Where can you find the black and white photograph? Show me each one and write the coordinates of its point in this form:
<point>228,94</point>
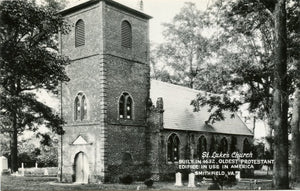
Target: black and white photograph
<point>149,95</point>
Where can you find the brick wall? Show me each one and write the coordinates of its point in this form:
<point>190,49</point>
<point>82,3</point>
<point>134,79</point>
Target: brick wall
<point>102,69</point>
<point>93,20</point>
<point>158,138</point>
<point>112,36</point>
<point>127,70</point>
<point>87,75</point>
<point>126,76</point>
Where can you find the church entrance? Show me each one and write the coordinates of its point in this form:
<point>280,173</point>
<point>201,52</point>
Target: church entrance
<point>81,168</point>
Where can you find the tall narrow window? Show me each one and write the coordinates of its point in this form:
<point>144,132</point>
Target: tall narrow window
<point>80,107</point>
<point>233,145</point>
<point>83,109</point>
<point>201,146</point>
<point>169,149</point>
<point>128,107</point>
<point>121,106</point>
<point>173,148</point>
<point>246,146</point>
<point>212,147</point>
<point>126,34</point>
<point>77,108</point>
<point>224,145</point>
<point>125,106</point>
<point>79,33</point>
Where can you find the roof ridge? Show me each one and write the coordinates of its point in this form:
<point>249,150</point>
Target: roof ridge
<point>185,88</point>
<point>180,86</point>
<point>84,3</point>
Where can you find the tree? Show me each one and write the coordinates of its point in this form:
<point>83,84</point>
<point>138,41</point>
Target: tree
<point>4,146</point>
<point>55,5</point>
<point>280,99</point>
<point>157,71</point>
<point>185,47</point>
<point>295,170</point>
<point>260,69</point>
<point>40,148</point>
<point>293,23</point>
<point>244,51</point>
<point>29,61</point>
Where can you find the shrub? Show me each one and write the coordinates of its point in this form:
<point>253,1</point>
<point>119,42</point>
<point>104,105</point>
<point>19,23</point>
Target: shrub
<point>126,179</point>
<point>214,186</point>
<point>148,182</point>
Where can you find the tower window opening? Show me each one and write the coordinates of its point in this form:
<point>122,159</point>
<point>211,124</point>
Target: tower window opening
<point>125,106</point>
<point>80,107</point>
<point>79,33</point>
<point>126,34</point>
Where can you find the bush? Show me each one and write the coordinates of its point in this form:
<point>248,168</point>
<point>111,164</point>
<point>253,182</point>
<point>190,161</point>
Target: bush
<point>148,182</point>
<point>214,186</point>
<point>127,179</point>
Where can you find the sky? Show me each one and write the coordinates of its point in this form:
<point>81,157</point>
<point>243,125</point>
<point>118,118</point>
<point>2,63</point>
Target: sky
<point>162,11</point>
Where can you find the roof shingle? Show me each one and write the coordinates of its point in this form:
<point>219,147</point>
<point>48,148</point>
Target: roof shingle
<point>179,114</point>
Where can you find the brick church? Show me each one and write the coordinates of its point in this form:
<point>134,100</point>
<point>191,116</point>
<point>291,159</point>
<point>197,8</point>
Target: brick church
<point>112,128</point>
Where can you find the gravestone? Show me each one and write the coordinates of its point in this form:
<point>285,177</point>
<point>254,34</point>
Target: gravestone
<point>23,170</point>
<point>3,163</point>
<point>46,172</point>
<point>191,180</point>
<point>178,181</point>
<point>238,175</point>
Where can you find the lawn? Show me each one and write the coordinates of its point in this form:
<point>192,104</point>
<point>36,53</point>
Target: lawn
<point>263,181</point>
<point>46,183</point>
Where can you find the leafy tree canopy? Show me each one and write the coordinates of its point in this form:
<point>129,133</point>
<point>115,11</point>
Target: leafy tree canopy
<point>29,61</point>
<point>185,47</point>
<point>244,49</point>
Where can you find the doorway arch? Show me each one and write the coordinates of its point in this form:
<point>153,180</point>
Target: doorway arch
<point>81,167</point>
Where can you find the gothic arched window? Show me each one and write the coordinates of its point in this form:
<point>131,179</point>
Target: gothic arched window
<point>213,145</point>
<point>233,144</point>
<point>125,106</point>
<point>224,145</point>
<point>80,107</point>
<point>201,146</point>
<point>246,146</point>
<point>126,34</point>
<point>173,148</point>
<point>79,33</point>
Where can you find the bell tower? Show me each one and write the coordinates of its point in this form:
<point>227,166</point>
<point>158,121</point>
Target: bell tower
<point>105,102</point>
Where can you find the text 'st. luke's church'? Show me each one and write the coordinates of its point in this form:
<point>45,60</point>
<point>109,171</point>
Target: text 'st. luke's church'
<point>112,128</point>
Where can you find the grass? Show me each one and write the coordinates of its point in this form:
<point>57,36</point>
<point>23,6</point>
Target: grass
<point>49,183</point>
<point>263,174</point>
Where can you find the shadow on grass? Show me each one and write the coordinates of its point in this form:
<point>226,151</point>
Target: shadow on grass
<point>50,183</point>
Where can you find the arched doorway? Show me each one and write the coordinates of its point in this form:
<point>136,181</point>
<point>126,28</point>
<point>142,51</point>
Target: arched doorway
<point>81,168</point>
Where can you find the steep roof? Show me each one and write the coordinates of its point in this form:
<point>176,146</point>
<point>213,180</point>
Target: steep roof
<point>179,114</point>
<point>76,5</point>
